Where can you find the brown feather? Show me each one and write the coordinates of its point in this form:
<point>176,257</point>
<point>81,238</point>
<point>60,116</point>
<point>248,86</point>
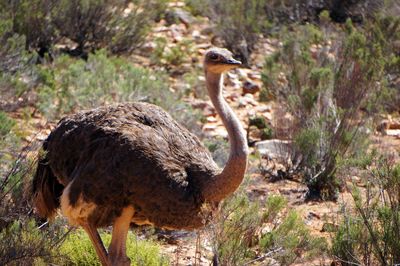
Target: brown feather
<point>132,154</point>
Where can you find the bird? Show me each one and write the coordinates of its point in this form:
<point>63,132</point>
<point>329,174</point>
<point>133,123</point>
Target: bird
<point>132,163</point>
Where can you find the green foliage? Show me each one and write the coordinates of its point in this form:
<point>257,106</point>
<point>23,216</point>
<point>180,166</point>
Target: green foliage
<point>9,145</point>
<point>289,235</point>
<point>22,243</point>
<point>239,234</point>
<point>6,124</point>
<point>234,231</point>
<point>385,30</point>
<point>324,87</point>
<point>79,250</point>
<point>238,23</point>
<point>260,123</point>
<point>370,235</point>
<point>197,7</point>
<point>120,26</point>
<point>15,64</point>
<point>168,55</point>
<point>76,84</point>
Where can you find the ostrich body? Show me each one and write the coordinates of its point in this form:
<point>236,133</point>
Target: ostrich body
<point>133,163</point>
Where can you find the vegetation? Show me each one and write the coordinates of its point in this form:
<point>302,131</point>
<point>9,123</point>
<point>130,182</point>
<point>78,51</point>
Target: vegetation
<point>369,235</point>
<point>71,84</point>
<point>324,89</point>
<point>79,251</point>
<point>330,70</point>
<point>90,24</point>
<point>245,232</point>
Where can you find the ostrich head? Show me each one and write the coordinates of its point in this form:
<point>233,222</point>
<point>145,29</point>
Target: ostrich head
<point>219,60</point>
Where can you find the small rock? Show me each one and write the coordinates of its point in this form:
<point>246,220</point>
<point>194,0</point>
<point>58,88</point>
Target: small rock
<point>312,215</point>
<point>267,116</point>
<point>394,125</point>
<point>179,15</point>
<point>200,104</point>
<point>248,96</point>
<point>196,34</point>
<point>233,81</point>
<point>242,74</point>
<point>242,102</point>
<point>149,47</point>
<point>209,127</point>
<point>254,76</point>
<point>250,87</point>
<point>274,148</point>
<point>233,96</point>
<point>231,75</point>
<point>389,127</point>
<point>264,108</point>
<point>211,119</point>
<point>393,132</point>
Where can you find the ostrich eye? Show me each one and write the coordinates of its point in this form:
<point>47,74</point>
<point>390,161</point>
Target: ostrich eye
<point>213,56</point>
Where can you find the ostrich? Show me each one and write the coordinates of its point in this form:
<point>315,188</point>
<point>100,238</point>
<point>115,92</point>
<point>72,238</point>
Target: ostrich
<point>132,163</point>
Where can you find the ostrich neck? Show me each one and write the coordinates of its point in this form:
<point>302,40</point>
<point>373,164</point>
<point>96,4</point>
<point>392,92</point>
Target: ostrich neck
<point>232,175</point>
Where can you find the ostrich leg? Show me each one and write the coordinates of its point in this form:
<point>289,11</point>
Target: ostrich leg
<point>117,249</point>
<point>97,243</point>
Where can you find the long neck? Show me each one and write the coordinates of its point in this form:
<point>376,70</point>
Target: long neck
<point>232,175</point>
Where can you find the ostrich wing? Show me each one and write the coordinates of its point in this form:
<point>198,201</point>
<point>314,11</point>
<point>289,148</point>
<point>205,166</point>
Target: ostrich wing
<point>132,154</point>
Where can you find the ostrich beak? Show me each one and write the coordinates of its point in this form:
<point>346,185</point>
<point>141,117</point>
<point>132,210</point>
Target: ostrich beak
<point>233,62</point>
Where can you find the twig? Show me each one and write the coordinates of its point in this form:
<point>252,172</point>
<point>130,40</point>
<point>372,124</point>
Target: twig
<point>264,256</point>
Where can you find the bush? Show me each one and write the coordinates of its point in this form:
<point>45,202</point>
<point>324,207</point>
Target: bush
<point>168,55</point>
<point>9,145</point>
<point>324,87</point>
<point>370,234</point>
<point>385,30</point>
<point>243,232</point>
<point>79,250</point>
<point>118,25</point>
<point>238,22</point>
<point>72,84</point>
<point>289,238</point>
<point>23,243</point>
<point>16,66</point>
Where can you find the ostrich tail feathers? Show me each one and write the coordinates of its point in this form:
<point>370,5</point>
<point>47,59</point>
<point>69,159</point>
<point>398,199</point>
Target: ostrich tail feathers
<point>46,190</point>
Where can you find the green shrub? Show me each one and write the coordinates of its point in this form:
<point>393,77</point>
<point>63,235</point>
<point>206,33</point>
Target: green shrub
<point>16,66</point>
<point>10,145</point>
<point>234,231</point>
<point>238,23</point>
<point>288,236</point>
<point>22,243</point>
<point>76,84</point>
<point>120,26</point>
<point>168,55</point>
<point>244,232</point>
<point>79,250</point>
<point>6,124</point>
<point>370,234</point>
<point>261,124</point>
<point>324,87</point>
